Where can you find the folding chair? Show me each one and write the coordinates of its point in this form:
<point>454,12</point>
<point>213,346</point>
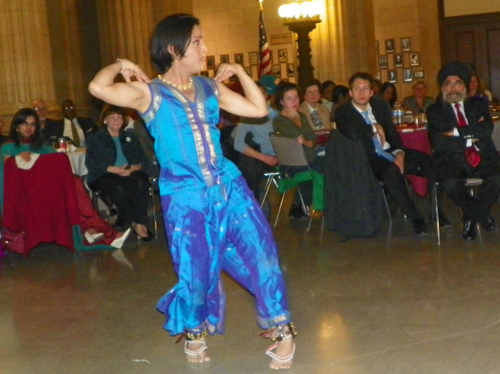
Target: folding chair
<point>470,183</point>
<point>290,153</point>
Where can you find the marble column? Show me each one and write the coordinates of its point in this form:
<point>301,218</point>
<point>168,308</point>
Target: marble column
<point>125,27</point>
<point>25,58</point>
<point>343,43</point>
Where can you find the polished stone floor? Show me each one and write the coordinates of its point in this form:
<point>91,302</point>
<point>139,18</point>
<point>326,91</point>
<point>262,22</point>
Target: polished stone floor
<point>393,304</point>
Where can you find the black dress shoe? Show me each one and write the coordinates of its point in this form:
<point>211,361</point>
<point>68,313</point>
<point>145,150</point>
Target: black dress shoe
<point>420,228</point>
<point>488,223</point>
<point>469,230</point>
<point>444,222</point>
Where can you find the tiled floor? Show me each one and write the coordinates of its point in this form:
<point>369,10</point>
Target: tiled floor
<point>392,304</point>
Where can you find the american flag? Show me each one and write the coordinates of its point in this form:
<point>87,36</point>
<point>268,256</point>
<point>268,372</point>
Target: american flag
<point>265,56</point>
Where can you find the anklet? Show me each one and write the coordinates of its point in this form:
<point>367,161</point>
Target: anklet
<point>278,333</point>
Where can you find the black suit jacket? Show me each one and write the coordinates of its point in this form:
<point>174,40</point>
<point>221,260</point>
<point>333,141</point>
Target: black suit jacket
<point>101,152</point>
<point>54,129</point>
<point>442,119</point>
<point>351,123</point>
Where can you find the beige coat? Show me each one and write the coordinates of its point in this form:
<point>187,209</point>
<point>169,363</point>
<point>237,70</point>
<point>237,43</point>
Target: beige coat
<point>324,114</point>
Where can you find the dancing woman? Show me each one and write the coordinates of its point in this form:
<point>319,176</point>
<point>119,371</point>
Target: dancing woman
<point>211,219</point>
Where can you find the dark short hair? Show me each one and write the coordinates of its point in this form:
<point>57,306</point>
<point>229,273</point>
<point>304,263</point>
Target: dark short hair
<point>312,82</point>
<point>325,85</point>
<point>173,31</point>
<point>110,109</point>
<point>360,75</point>
<point>282,89</point>
<point>338,91</point>
<point>19,118</point>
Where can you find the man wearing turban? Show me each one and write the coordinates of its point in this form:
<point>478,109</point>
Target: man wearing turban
<point>460,130</point>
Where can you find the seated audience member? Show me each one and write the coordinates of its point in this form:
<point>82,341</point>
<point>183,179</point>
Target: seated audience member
<point>3,138</point>
<point>78,129</point>
<point>26,140</point>
<point>418,102</point>
<point>327,88</point>
<point>117,165</point>
<point>136,124</point>
<point>317,115</point>
<point>270,83</point>
<point>460,130</point>
<point>293,124</point>
<point>477,89</point>
<point>41,108</point>
<point>389,93</point>
<point>340,97</point>
<point>369,121</point>
<point>251,139</point>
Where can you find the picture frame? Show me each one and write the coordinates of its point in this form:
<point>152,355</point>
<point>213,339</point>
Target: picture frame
<point>253,58</point>
<point>398,60</point>
<point>377,47</point>
<point>282,55</point>
<point>405,44</point>
<point>210,62</point>
<point>290,70</point>
<point>224,59</point>
<point>415,59</point>
<point>418,74</point>
<point>276,70</point>
<point>382,62</point>
<point>239,58</point>
<point>389,46</point>
<point>407,75</point>
<point>377,75</point>
<point>392,76</point>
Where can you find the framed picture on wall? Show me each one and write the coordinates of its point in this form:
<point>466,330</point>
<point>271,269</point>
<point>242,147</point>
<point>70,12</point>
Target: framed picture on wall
<point>290,70</point>
<point>419,74</point>
<point>253,57</point>
<point>389,46</point>
<point>276,70</point>
<point>407,75</point>
<point>282,55</point>
<point>377,75</point>
<point>248,70</point>
<point>398,60</point>
<point>224,59</point>
<point>392,76</point>
<point>239,59</point>
<point>405,44</point>
<point>210,62</point>
<point>415,59</point>
<point>382,62</point>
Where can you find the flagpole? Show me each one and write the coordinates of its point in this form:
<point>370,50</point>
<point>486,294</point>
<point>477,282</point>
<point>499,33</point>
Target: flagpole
<point>265,56</point>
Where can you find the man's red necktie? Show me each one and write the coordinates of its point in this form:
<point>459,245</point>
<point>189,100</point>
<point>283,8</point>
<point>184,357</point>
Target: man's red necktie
<point>471,153</point>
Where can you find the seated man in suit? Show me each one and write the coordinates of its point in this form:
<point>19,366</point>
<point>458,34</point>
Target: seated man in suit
<point>460,130</point>
<point>317,114</point>
<point>78,129</point>
<point>370,122</point>
<point>40,107</point>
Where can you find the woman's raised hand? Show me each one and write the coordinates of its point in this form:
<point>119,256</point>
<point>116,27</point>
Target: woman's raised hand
<point>226,71</point>
<point>26,156</point>
<point>130,69</point>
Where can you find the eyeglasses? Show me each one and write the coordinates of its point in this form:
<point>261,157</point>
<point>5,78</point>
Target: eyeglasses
<point>458,84</point>
<point>362,88</point>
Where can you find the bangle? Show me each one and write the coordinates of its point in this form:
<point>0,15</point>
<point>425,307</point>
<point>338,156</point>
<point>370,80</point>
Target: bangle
<point>120,60</point>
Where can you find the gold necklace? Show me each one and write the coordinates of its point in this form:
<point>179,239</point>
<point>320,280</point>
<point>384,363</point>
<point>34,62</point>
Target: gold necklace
<point>180,87</point>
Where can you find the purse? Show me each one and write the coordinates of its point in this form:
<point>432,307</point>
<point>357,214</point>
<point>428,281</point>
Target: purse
<point>13,241</point>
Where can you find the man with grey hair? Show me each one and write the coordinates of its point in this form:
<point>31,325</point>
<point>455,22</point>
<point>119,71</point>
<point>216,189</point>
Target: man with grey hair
<point>460,130</point>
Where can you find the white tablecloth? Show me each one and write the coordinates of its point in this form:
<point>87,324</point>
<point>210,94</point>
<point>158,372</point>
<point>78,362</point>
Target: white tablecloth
<point>77,160</point>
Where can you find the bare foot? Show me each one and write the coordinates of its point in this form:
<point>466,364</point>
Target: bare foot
<point>195,351</point>
<point>282,354</point>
